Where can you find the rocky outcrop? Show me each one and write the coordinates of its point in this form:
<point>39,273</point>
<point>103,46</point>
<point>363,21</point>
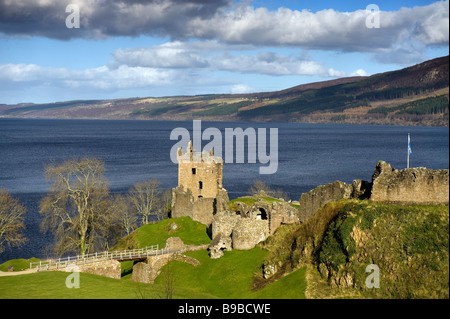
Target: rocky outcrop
<point>413,185</point>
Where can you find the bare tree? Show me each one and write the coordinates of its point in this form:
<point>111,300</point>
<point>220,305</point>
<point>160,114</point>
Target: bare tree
<point>126,215</point>
<point>165,205</point>
<point>11,221</point>
<point>260,188</point>
<point>145,199</point>
<point>74,208</point>
<point>168,282</point>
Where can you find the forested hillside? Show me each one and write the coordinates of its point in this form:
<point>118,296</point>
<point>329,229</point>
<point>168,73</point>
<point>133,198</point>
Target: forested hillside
<point>417,95</point>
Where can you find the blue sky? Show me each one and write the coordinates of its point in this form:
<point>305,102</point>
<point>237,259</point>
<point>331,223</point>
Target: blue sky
<point>142,48</point>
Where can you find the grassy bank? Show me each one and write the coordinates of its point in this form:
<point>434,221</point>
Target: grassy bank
<point>228,277</point>
<point>409,244</point>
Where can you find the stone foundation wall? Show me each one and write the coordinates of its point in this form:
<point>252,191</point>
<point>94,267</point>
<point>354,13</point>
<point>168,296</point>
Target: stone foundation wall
<point>203,210</point>
<point>107,268</point>
<point>248,232</point>
<point>418,185</point>
<point>281,213</point>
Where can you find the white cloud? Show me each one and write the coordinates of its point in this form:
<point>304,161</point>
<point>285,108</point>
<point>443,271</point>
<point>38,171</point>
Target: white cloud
<point>241,89</point>
<point>102,77</point>
<point>230,22</point>
<point>359,72</point>
<point>214,56</point>
<point>168,55</point>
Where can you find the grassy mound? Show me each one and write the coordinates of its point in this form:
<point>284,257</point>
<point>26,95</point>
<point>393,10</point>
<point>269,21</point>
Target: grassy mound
<point>190,232</point>
<point>408,243</point>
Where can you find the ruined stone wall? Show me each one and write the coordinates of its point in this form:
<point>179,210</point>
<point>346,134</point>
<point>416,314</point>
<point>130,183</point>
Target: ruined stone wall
<point>281,213</point>
<point>251,225</point>
<point>201,210</point>
<point>248,232</point>
<point>224,224</point>
<point>182,203</point>
<point>148,270</point>
<point>414,185</point>
<point>311,201</point>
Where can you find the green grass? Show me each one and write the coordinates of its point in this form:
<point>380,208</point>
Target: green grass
<point>190,232</point>
<point>18,264</point>
<point>231,276</point>
<point>52,285</point>
<point>292,286</point>
<point>245,200</point>
<point>250,200</point>
<point>228,277</point>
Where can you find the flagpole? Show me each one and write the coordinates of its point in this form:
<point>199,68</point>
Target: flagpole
<point>409,148</point>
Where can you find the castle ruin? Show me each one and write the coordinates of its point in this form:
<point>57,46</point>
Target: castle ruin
<point>200,195</point>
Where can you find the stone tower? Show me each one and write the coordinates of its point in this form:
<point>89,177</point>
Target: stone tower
<point>200,172</point>
<point>199,193</point>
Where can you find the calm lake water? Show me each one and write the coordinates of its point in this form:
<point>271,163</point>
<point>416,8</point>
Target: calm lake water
<point>308,155</point>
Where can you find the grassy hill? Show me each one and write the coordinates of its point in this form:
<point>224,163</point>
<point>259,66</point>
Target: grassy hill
<point>190,232</point>
<point>409,244</point>
<point>228,277</point>
<point>417,95</point>
<point>325,257</point>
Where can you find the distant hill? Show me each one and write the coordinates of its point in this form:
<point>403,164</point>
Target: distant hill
<point>416,95</point>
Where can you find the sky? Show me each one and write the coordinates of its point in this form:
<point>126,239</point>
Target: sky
<point>60,50</point>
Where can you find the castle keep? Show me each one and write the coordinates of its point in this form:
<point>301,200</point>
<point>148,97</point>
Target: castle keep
<point>200,172</point>
<point>199,193</point>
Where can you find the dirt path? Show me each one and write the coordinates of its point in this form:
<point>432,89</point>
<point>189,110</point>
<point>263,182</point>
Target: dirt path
<point>16,273</point>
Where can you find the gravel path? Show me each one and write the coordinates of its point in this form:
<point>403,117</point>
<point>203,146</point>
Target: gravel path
<point>16,273</point>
